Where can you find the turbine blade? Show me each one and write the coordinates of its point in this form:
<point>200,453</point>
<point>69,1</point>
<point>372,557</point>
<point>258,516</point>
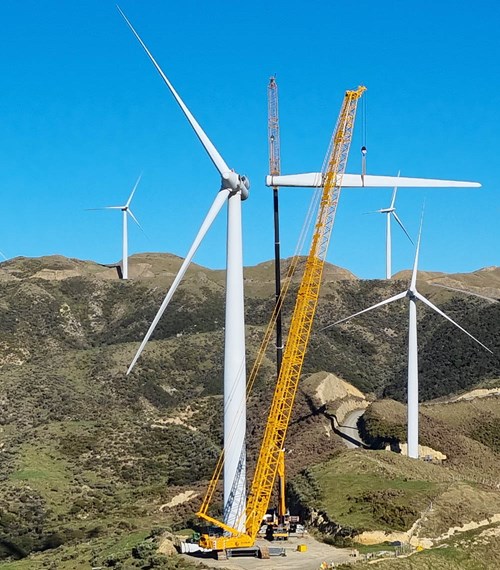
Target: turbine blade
<point>213,153</point>
<point>315,179</point>
<point>133,191</point>
<point>415,263</point>
<point>394,193</point>
<point>387,301</point>
<point>106,208</point>
<point>401,226</point>
<point>217,204</point>
<point>440,312</point>
<point>3,255</point>
<point>135,219</point>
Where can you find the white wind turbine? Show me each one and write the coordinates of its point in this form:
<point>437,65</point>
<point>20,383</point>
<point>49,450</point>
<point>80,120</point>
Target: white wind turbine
<point>391,212</point>
<point>126,211</point>
<point>412,294</point>
<point>234,189</point>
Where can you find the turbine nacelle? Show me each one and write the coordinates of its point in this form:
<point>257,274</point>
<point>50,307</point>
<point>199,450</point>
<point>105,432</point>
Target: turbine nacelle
<point>235,183</point>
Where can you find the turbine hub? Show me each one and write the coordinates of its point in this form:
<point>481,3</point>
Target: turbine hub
<point>236,183</point>
<point>411,294</point>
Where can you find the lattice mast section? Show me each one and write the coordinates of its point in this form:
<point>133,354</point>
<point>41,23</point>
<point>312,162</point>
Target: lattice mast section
<point>273,128</point>
<point>273,135</point>
<point>302,319</point>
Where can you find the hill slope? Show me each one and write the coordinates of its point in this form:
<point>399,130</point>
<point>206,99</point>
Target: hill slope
<point>88,452</point>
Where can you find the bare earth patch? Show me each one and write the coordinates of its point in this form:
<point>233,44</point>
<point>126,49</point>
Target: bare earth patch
<point>179,499</point>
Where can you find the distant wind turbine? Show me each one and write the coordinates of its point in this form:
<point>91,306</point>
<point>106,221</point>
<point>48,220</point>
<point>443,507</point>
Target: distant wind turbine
<point>125,210</point>
<point>391,211</point>
<point>234,189</point>
<point>412,294</point>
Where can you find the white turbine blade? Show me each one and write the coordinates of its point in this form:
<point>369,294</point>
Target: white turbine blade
<point>440,312</point>
<point>219,201</point>
<point>315,180</point>
<point>393,197</point>
<point>133,191</point>
<point>394,193</point>
<point>213,153</point>
<point>135,219</point>
<point>307,180</point>
<point>3,255</point>
<point>415,263</point>
<point>105,208</point>
<point>390,300</point>
<point>401,225</point>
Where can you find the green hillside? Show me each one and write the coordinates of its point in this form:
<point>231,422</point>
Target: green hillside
<point>89,455</point>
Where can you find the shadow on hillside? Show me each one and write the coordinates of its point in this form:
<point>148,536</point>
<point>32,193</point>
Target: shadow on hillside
<point>334,423</point>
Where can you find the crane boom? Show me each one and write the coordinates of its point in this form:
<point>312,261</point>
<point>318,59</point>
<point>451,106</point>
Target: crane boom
<point>298,338</point>
<point>273,129</point>
<point>273,133</point>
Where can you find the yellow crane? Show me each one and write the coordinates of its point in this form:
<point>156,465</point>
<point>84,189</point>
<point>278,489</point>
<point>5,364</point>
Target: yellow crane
<point>271,451</point>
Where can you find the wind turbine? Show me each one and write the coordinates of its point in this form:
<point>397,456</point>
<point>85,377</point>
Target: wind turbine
<point>125,211</point>
<point>412,295</point>
<point>234,189</point>
<point>391,211</point>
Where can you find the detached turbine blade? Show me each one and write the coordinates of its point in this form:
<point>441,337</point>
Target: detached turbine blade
<point>315,180</point>
<point>387,301</point>
<point>133,191</point>
<point>401,226</point>
<point>433,307</point>
<point>217,204</point>
<point>213,153</point>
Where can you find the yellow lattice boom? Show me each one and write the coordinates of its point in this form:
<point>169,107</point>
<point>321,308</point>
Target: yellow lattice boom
<point>298,338</point>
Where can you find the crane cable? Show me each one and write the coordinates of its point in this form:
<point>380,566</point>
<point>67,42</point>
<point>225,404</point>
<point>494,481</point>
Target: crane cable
<point>364,150</point>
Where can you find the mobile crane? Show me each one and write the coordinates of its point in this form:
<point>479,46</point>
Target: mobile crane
<point>271,450</point>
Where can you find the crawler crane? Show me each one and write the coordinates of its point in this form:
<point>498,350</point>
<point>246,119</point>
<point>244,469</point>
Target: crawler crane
<point>300,329</point>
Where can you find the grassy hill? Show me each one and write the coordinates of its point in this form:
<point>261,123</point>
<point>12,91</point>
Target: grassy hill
<point>90,455</point>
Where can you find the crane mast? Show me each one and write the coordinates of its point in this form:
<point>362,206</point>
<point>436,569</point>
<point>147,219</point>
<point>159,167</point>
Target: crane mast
<point>273,132</point>
<point>300,329</point>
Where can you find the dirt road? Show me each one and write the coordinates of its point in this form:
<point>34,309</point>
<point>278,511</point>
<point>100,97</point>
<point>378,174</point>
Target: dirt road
<point>317,553</point>
<point>349,430</point>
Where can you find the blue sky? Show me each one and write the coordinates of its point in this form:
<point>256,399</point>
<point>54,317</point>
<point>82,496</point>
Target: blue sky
<point>83,113</point>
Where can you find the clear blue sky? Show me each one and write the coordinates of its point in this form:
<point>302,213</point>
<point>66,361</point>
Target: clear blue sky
<point>83,113</point>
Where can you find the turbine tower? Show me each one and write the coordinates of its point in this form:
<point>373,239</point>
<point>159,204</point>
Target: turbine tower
<point>412,294</point>
<point>126,211</point>
<point>234,189</point>
<point>391,211</point>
